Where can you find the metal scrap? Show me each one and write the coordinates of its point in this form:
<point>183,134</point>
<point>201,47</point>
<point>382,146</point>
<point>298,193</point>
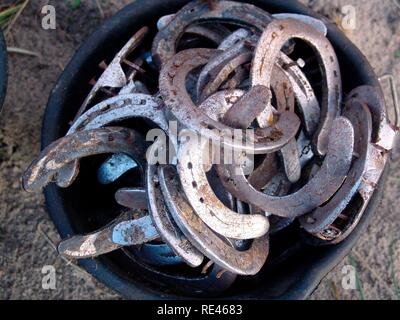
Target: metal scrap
<point>258,145</point>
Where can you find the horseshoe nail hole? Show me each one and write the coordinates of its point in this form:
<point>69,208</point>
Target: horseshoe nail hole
<point>194,184</point>
<point>190,165</point>
<point>201,200</point>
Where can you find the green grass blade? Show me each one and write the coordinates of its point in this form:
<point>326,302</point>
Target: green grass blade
<point>360,288</point>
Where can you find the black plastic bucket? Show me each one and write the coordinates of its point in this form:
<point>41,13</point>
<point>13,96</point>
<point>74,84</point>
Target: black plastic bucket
<point>75,210</point>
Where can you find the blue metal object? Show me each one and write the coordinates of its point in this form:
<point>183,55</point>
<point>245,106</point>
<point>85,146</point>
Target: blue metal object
<point>114,167</point>
<point>124,231</point>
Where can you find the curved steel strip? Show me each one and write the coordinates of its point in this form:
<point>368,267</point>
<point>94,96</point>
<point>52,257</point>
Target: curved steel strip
<point>179,105</point>
<point>383,134</point>
<point>317,191</point>
<point>152,253</point>
<point>78,145</point>
<point>243,112</point>
<point>276,34</point>
<point>121,232</point>
<point>304,93</point>
<point>133,198</point>
<point>114,167</point>
<point>224,64</point>
<point>114,76</point>
<point>109,111</point>
<point>247,262</point>
<point>205,203</point>
<point>235,105</point>
<point>223,74</point>
<point>317,24</point>
<point>321,218</point>
<point>234,38</point>
<point>209,32</point>
<point>219,60</point>
<point>243,14</point>
<point>376,162</point>
<point>168,230</point>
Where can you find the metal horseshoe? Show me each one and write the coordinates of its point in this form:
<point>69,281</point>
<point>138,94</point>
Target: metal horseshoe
<point>234,38</point>
<point>316,192</point>
<point>242,14</point>
<point>78,145</point>
<point>153,253</point>
<point>169,231</point>
<point>123,231</point>
<point>247,262</point>
<point>114,109</point>
<point>203,200</point>
<point>180,106</point>
<point>276,34</point>
<point>383,132</point>
<point>114,76</point>
<point>321,218</point>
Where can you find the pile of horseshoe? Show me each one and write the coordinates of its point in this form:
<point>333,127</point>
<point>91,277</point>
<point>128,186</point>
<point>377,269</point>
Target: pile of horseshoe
<point>312,163</point>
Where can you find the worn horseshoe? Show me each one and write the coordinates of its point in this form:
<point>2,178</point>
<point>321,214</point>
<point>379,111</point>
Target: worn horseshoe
<point>219,107</point>
<point>165,225</point>
<point>247,262</point>
<point>315,23</point>
<point>180,106</point>
<point>281,84</point>
<point>242,14</point>
<point>304,93</point>
<point>203,200</point>
<point>78,145</point>
<point>114,76</point>
<point>321,218</point>
<point>121,232</point>
<point>108,111</point>
<point>316,192</point>
<point>152,253</point>
<point>133,198</point>
<point>276,34</point>
<point>383,134</point>
<point>221,59</point>
<point>214,34</point>
<point>234,38</point>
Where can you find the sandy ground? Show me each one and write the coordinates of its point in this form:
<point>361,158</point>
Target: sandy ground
<point>24,248</point>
